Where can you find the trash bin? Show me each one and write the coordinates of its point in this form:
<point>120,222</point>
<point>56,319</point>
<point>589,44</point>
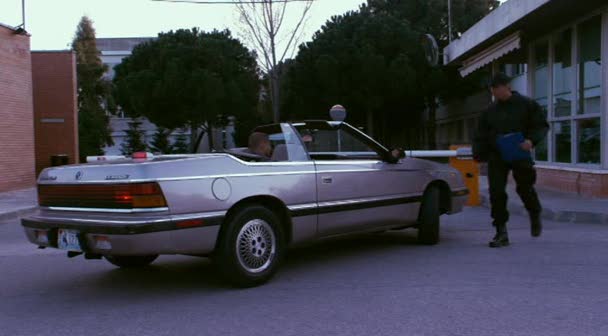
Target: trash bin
<point>59,160</point>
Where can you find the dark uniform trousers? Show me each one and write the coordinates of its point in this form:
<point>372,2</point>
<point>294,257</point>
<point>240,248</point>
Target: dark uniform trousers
<point>524,175</point>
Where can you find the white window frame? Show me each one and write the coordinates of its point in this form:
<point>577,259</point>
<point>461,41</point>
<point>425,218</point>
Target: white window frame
<point>604,101</point>
<point>532,89</point>
<point>573,117</point>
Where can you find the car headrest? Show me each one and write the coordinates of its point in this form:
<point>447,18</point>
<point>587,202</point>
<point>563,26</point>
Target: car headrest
<point>280,153</point>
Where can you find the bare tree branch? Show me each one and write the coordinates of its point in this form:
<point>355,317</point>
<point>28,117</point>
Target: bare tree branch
<point>264,23</point>
<point>295,31</point>
<point>281,17</point>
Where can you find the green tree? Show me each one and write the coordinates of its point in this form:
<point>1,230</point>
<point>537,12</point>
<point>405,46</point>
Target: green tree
<point>181,145</point>
<point>160,141</point>
<point>355,61</point>
<point>135,141</point>
<point>431,16</point>
<point>186,78</point>
<point>372,62</point>
<point>94,93</point>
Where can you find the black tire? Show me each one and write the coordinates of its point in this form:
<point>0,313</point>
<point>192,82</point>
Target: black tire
<point>428,228</point>
<point>130,261</point>
<point>239,268</point>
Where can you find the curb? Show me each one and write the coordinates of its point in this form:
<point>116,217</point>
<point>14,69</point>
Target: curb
<point>17,213</point>
<point>563,216</point>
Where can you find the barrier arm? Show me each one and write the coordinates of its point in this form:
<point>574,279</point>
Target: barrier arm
<point>461,158</point>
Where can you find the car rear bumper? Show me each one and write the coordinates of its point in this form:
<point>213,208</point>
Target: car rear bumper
<point>192,234</point>
<point>459,200</point>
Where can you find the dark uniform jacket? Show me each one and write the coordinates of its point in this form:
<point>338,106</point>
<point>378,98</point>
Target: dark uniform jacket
<point>518,114</point>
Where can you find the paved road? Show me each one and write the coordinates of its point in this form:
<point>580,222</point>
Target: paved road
<point>365,285</point>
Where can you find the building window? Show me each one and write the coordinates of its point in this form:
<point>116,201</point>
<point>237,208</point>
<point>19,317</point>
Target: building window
<point>562,136</point>
<point>590,66</point>
<point>590,90</point>
<point>589,144</point>
<point>541,90</point>
<point>513,70</point>
<point>562,74</point>
<point>575,94</point>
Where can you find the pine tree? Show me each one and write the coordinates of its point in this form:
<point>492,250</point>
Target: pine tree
<point>94,92</point>
<point>194,75</point>
<point>135,141</point>
<point>160,142</point>
<point>181,145</point>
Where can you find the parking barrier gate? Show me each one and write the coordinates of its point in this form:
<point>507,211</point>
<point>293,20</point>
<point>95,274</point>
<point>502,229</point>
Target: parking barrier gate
<point>461,158</point>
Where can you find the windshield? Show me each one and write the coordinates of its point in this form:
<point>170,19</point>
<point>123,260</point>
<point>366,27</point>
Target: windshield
<point>326,141</point>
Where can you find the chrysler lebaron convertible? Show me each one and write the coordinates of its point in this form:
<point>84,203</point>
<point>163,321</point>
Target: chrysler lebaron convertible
<point>323,179</point>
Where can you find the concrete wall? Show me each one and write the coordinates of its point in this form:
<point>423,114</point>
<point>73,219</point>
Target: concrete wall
<point>55,106</point>
<point>16,112</point>
<point>491,25</point>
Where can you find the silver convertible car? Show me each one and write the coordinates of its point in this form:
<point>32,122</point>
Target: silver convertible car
<point>324,179</point>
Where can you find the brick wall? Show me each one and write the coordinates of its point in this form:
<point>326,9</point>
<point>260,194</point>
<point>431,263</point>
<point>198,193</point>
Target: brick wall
<point>586,184</point>
<point>55,106</point>
<point>16,112</point>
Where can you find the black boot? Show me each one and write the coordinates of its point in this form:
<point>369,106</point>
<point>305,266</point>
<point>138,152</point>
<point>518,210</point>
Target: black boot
<point>536,225</point>
<point>501,238</point>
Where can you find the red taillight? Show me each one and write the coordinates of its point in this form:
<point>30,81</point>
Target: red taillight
<point>110,196</point>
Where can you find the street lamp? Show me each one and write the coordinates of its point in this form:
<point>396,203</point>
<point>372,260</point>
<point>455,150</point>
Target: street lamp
<point>337,113</point>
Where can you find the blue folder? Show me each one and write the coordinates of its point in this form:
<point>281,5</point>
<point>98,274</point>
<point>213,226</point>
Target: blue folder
<point>509,146</point>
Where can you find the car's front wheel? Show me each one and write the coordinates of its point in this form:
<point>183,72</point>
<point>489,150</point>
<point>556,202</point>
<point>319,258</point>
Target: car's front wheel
<point>251,247</point>
<point>130,261</point>
<point>428,226</point>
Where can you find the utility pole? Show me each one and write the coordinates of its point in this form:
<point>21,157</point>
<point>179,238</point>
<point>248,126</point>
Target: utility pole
<point>450,21</point>
<point>23,13</point>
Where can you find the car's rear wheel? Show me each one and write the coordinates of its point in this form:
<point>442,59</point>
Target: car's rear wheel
<point>130,261</point>
<point>251,247</point>
<point>428,226</point>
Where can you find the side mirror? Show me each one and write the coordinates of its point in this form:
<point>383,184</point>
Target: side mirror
<point>395,155</point>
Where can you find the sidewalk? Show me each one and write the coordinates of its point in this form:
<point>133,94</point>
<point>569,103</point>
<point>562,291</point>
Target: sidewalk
<point>557,206</point>
<point>14,204</point>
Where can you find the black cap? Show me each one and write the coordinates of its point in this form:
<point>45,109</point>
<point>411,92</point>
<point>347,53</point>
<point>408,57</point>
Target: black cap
<point>500,79</point>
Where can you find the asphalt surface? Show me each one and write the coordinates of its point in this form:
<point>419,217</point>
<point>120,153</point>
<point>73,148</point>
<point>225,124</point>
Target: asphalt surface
<point>376,284</point>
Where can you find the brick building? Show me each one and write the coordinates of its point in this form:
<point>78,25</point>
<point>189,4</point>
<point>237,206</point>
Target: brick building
<point>555,50</point>
<point>16,111</point>
<point>55,106</point>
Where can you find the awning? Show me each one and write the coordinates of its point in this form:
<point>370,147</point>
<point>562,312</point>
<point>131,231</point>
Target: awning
<point>494,52</point>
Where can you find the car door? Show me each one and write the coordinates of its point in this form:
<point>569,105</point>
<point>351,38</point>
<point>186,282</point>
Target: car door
<point>356,189</point>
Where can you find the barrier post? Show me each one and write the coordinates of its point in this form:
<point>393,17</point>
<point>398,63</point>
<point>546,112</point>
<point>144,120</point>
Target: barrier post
<point>470,174</point>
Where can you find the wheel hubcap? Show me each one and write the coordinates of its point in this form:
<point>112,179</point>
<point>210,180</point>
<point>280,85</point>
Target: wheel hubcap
<point>256,246</point>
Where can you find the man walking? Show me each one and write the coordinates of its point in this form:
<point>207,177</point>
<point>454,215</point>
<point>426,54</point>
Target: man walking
<point>508,130</point>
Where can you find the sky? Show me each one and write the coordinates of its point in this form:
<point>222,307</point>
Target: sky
<point>52,23</point>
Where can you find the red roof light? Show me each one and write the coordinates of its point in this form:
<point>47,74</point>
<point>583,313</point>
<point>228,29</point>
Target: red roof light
<point>140,155</point>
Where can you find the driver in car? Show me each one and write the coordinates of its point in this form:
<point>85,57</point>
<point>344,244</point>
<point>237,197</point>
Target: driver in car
<point>259,144</point>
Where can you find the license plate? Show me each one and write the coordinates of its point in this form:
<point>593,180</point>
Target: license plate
<point>68,240</point>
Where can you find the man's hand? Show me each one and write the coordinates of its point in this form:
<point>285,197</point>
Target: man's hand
<point>527,145</point>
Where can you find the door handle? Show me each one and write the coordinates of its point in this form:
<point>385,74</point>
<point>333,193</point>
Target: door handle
<point>327,179</point>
